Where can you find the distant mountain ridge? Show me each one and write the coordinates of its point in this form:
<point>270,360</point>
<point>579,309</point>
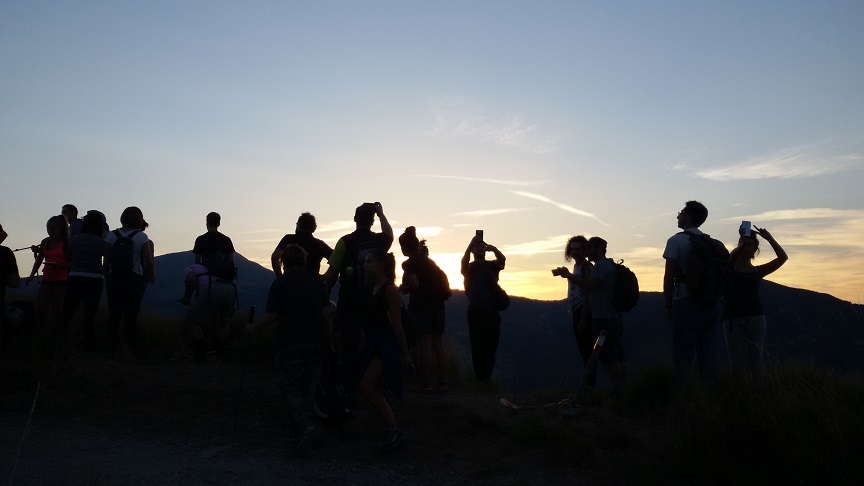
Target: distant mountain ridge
<point>537,347</point>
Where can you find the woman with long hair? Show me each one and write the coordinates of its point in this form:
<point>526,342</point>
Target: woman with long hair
<point>577,303</point>
<point>427,288</point>
<point>386,346</point>
<point>53,252</point>
<point>745,326</point>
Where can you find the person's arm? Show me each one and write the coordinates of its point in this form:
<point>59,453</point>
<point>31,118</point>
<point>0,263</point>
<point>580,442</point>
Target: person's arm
<point>776,263</point>
<point>276,262</point>
<point>40,257</point>
<point>672,269</point>
<point>335,261</point>
<point>148,251</point>
<point>499,257</point>
<point>385,225</point>
<point>394,310</point>
<point>466,258</point>
<point>586,283</point>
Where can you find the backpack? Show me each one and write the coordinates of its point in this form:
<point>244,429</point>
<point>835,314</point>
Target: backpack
<point>434,284</point>
<point>219,265</point>
<point>626,292</point>
<point>123,253</point>
<point>353,274</point>
<point>707,264</point>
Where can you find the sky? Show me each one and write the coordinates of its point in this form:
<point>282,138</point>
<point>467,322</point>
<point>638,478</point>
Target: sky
<point>534,121</point>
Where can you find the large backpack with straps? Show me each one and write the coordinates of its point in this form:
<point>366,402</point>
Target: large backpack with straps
<point>626,292</point>
<point>434,284</point>
<point>123,253</point>
<point>219,265</point>
<point>707,263</point>
<point>356,250</point>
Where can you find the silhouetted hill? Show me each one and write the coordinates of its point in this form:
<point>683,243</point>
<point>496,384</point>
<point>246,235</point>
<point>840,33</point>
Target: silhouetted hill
<point>537,347</point>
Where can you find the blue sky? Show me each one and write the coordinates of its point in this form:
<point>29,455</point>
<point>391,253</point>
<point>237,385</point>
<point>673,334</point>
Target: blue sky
<point>534,121</point>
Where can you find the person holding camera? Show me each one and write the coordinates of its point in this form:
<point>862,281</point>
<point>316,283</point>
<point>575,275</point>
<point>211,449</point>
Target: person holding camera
<point>481,287</point>
<point>744,319</point>
<point>576,300</point>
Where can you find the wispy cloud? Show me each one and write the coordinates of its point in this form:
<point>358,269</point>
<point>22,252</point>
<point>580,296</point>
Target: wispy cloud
<point>551,244</point>
<point>489,212</point>
<point>798,214</point>
<point>484,180</point>
<point>342,225</point>
<point>562,206</point>
<point>794,163</point>
<point>462,118</point>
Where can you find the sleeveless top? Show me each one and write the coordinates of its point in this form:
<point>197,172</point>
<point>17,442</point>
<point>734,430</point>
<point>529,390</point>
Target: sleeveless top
<point>743,297</point>
<point>53,273</point>
<point>376,313</point>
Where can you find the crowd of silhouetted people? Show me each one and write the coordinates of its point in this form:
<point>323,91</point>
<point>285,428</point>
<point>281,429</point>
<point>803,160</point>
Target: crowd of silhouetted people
<point>361,345</point>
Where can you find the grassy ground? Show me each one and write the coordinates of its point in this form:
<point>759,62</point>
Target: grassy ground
<point>804,426</point>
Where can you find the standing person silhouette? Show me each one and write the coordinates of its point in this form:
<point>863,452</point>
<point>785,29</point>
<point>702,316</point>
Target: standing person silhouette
<point>484,322</point>
<point>212,275</point>
<point>316,249</point>
<point>347,264</point>
<point>427,288</point>
<point>745,326</point>
<point>53,251</point>
<point>604,317</point>
<point>131,265</point>
<point>577,302</point>
<point>299,305</point>
<point>9,277</point>
<point>695,322</point>
<point>386,346</point>
<point>88,267</point>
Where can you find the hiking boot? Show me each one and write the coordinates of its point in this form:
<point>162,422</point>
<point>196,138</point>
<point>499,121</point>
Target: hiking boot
<point>393,440</point>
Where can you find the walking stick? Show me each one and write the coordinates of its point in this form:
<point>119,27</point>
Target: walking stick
<point>592,362</point>
<point>242,373</point>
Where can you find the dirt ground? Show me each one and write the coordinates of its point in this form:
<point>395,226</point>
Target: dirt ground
<point>100,422</point>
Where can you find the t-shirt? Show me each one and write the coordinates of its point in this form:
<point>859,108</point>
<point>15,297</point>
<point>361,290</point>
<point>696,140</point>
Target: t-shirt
<point>138,241</point>
<point>480,281</point>
<point>76,227</point>
<point>8,266</point>
<point>575,293</point>
<point>298,297</point>
<point>600,297</point>
<point>85,256</point>
<point>213,242</point>
<point>677,247</point>
<point>316,250</point>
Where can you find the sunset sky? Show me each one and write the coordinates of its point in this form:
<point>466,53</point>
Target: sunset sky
<point>533,121</point>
